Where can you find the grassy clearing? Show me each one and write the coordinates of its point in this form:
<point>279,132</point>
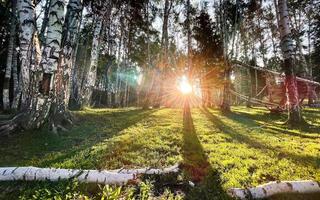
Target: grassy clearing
<point>244,148</point>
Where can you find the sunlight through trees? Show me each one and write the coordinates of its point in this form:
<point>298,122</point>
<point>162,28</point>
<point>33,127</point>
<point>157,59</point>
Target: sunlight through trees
<point>210,87</point>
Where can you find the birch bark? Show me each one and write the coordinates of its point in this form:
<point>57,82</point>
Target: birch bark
<point>273,188</point>
<point>295,116</point>
<point>69,42</point>
<point>45,21</point>
<point>117,177</point>
<point>51,50</point>
<point>92,73</point>
<point>26,13</point>
<point>39,108</point>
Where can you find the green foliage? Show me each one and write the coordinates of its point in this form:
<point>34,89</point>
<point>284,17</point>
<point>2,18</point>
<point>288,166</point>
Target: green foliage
<point>58,191</point>
<point>110,193</point>
<point>209,53</point>
<point>70,190</point>
<point>208,39</point>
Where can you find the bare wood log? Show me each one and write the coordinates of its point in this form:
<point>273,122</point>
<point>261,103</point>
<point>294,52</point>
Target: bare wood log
<point>273,188</point>
<point>114,177</point>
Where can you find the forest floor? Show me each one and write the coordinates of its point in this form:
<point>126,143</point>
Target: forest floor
<point>218,151</point>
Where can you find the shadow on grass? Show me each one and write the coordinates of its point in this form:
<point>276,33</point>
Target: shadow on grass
<point>246,117</point>
<point>279,130</point>
<point>196,165</point>
<point>312,110</point>
<point>241,138</point>
<point>249,120</point>
<point>49,149</point>
<point>266,116</point>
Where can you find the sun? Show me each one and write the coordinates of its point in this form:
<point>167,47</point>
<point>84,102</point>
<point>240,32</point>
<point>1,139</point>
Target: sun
<point>184,86</point>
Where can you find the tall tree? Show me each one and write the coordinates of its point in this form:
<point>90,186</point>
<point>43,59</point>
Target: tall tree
<point>295,116</point>
<point>45,21</point>
<point>71,29</point>
<point>92,72</point>
<point>188,24</point>
<point>59,114</point>
<point>164,53</point>
<point>36,110</point>
<point>51,50</point>
<point>207,54</point>
<point>26,14</point>
<point>225,105</point>
<point>11,49</point>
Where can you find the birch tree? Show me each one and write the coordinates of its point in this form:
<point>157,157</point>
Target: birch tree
<point>92,72</point>
<point>50,53</point>
<point>102,12</point>
<point>37,111</point>
<point>69,42</point>
<point>26,13</point>
<point>295,116</point>
<point>45,21</point>
<point>59,113</point>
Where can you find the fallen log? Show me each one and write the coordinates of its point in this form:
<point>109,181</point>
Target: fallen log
<point>273,188</point>
<point>112,177</point>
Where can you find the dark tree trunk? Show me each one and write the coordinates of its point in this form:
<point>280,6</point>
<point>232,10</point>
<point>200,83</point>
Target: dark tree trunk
<point>7,77</point>
<point>225,106</point>
<point>164,54</point>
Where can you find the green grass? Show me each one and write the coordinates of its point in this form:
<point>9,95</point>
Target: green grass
<point>245,148</point>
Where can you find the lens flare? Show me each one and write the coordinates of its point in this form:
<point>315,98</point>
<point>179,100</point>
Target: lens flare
<point>184,86</point>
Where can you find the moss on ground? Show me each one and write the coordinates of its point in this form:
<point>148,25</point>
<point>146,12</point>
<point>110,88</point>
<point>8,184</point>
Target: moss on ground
<point>245,148</point>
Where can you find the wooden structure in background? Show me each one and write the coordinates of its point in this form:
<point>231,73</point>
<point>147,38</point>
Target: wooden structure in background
<point>267,88</point>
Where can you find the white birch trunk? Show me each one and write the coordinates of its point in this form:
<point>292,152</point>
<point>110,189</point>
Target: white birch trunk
<point>115,177</point>
<point>295,116</point>
<point>69,42</point>
<point>45,21</point>
<point>273,188</point>
<point>92,73</point>
<point>41,103</point>
<point>26,19</point>
<point>51,50</point>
